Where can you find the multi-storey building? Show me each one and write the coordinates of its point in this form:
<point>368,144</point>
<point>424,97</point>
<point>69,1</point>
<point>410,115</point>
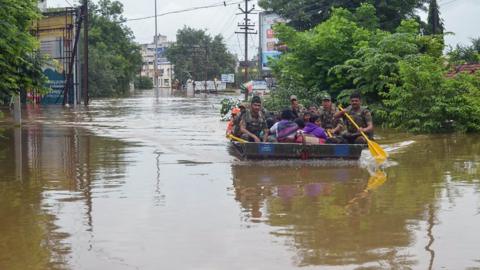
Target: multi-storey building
<point>164,67</point>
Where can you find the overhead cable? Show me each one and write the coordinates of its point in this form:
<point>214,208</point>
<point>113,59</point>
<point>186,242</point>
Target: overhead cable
<point>223,3</point>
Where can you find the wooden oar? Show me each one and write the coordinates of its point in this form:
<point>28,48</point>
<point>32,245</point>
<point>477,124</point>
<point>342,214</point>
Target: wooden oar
<point>377,151</point>
<point>230,136</point>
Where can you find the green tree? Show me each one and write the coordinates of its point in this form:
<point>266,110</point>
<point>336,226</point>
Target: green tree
<point>305,70</point>
<point>469,54</point>
<point>425,100</point>
<point>114,58</point>
<point>143,82</point>
<point>20,62</point>
<point>434,21</point>
<point>196,55</point>
<point>307,14</point>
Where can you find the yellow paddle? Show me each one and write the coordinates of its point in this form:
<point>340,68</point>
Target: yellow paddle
<point>230,136</point>
<point>377,151</point>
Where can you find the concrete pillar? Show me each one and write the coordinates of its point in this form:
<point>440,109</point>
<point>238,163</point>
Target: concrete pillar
<point>17,110</point>
<point>18,153</point>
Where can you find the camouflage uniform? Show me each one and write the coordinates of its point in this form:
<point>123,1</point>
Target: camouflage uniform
<point>327,119</point>
<point>362,117</point>
<point>254,124</point>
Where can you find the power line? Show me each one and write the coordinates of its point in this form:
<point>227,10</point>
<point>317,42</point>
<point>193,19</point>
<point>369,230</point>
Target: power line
<point>447,3</point>
<point>224,3</point>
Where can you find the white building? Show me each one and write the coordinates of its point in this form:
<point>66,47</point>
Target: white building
<point>42,5</point>
<point>165,68</point>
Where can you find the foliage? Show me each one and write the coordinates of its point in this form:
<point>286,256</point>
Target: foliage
<point>426,101</point>
<point>394,72</point>
<point>114,58</point>
<point>197,55</point>
<point>20,64</point>
<point>143,82</point>
<point>227,104</point>
<point>305,69</point>
<point>375,63</point>
<point>434,21</point>
<point>466,54</point>
<point>307,14</point>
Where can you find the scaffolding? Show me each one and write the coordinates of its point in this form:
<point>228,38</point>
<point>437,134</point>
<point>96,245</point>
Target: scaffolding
<point>58,32</point>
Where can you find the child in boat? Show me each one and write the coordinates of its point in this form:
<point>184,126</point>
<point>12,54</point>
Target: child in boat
<point>313,129</point>
<point>306,117</point>
<point>284,130</point>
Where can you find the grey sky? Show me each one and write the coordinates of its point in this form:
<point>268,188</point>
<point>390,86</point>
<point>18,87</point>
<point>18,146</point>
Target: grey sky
<point>460,16</point>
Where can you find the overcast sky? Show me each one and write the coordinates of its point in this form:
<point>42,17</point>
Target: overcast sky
<point>460,16</point>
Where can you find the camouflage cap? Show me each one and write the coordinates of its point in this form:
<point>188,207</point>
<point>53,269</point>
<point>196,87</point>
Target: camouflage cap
<point>326,96</point>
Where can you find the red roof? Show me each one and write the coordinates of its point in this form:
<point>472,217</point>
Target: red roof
<point>470,68</point>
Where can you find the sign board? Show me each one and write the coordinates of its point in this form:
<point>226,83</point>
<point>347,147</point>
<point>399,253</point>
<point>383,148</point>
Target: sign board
<point>267,38</point>
<point>228,78</point>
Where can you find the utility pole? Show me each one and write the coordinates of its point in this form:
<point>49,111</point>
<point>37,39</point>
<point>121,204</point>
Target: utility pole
<point>206,66</point>
<point>155,67</point>
<point>247,28</point>
<point>85,53</point>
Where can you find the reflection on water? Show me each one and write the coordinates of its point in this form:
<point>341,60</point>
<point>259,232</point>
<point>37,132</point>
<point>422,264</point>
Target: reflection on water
<point>145,184</point>
<point>44,168</point>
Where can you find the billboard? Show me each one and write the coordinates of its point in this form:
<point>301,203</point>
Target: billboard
<point>55,34</point>
<point>268,39</point>
<point>228,78</point>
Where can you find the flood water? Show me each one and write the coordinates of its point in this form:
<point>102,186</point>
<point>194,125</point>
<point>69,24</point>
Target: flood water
<point>144,184</point>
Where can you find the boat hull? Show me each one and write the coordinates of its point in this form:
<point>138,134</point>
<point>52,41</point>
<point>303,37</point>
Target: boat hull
<point>298,151</point>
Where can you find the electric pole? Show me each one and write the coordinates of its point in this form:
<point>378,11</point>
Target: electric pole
<point>155,68</point>
<point>85,53</point>
<point>247,28</point>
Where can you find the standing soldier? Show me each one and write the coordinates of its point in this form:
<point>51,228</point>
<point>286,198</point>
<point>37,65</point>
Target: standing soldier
<point>361,116</point>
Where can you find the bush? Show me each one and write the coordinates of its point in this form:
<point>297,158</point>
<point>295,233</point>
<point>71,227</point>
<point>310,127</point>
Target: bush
<point>426,101</point>
<point>143,82</point>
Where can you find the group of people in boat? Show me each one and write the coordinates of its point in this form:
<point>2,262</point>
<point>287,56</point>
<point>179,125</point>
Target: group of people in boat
<point>296,124</point>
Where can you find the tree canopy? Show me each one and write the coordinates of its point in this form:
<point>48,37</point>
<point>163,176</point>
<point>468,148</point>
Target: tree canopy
<point>306,14</point>
<point>196,55</point>
<point>114,58</point>
<point>400,74</point>
<point>466,54</point>
<point>434,21</point>
<point>20,62</point>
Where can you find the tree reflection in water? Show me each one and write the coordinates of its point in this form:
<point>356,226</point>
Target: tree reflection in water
<point>58,166</point>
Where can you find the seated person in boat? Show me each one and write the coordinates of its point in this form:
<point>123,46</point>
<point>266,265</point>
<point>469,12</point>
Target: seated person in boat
<point>285,130</point>
<point>231,124</point>
<point>313,132</point>
<point>313,110</point>
<point>306,117</point>
<point>236,120</point>
<point>326,114</point>
<point>253,122</point>
<point>361,116</point>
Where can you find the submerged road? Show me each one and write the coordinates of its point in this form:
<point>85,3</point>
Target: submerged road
<point>140,183</point>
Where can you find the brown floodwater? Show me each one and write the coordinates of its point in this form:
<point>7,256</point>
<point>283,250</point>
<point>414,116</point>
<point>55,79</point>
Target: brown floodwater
<point>140,183</point>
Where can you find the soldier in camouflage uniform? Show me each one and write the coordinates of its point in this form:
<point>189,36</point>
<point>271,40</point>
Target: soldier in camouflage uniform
<point>326,114</point>
<point>361,116</point>
<point>253,123</point>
